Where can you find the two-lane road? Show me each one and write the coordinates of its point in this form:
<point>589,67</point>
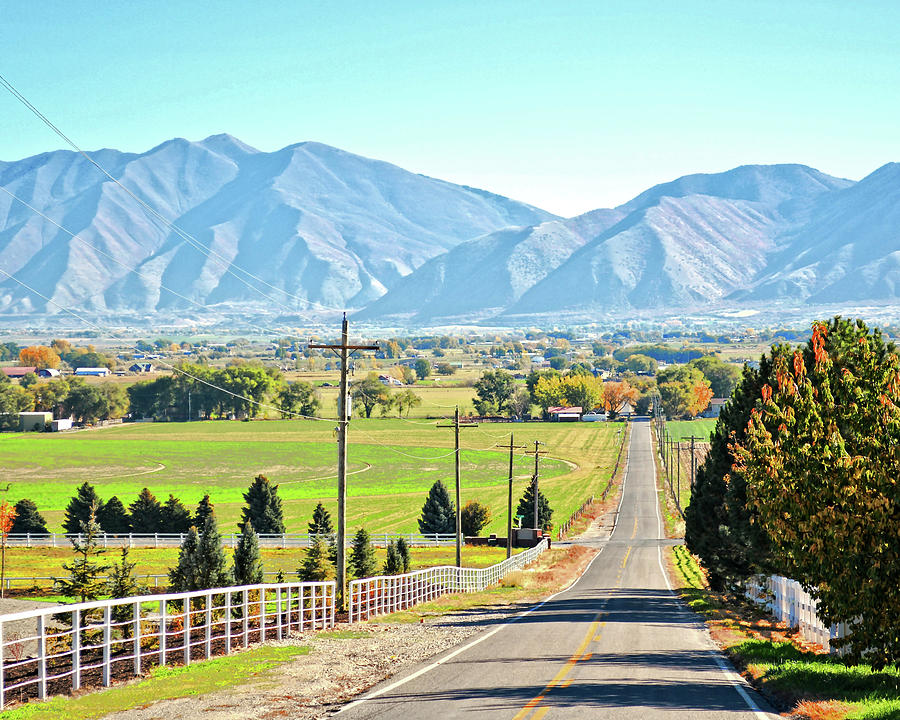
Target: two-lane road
<point>617,644</point>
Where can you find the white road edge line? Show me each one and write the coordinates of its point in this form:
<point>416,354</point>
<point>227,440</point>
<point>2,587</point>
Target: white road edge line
<point>736,680</point>
<point>482,638</point>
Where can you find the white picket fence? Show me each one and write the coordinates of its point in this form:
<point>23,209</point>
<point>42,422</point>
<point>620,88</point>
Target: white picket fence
<point>230,540</point>
<point>370,597</point>
<point>791,604</point>
<point>66,646</point>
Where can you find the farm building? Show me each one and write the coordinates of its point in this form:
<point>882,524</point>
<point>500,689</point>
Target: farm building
<point>565,414</point>
<point>715,407</point>
<point>34,421</point>
<point>18,372</point>
<point>48,373</point>
<point>62,424</point>
<point>143,367</point>
<point>97,372</point>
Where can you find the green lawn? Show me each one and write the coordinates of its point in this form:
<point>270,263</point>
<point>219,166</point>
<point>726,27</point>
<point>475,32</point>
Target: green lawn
<point>699,428</point>
<point>392,463</point>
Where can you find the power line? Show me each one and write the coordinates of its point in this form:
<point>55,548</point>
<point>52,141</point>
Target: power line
<point>184,235</point>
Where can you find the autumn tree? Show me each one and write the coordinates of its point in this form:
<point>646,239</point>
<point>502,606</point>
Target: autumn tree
<point>7,518</point>
<point>617,394</point>
<point>39,356</point>
<point>821,459</point>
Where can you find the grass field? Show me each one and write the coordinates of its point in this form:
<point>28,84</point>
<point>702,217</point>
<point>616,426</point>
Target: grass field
<point>683,429</point>
<point>392,464</point>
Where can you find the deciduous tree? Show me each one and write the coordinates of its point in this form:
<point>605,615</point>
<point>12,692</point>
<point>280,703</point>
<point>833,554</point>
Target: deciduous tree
<point>38,356</point>
<point>474,517</point>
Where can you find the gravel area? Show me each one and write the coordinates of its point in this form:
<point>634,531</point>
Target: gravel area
<point>318,684</point>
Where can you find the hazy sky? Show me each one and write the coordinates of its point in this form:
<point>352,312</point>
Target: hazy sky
<point>567,105</point>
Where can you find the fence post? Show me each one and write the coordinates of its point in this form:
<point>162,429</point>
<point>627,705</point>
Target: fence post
<point>246,613</point>
<point>207,617</point>
<point>262,614</point>
<point>137,637</point>
<point>107,645</point>
<point>2,670</point>
<point>187,631</point>
<point>228,623</point>
<point>278,612</point>
<point>162,632</point>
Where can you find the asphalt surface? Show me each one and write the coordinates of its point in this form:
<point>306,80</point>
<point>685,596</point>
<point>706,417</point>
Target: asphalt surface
<point>617,644</point>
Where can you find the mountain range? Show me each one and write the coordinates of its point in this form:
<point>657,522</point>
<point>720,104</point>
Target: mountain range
<point>311,227</point>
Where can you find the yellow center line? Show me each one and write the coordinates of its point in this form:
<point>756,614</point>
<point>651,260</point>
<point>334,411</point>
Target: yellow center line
<point>625,559</point>
<point>540,713</point>
<point>634,531</point>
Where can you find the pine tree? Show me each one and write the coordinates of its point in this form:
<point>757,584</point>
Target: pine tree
<point>393,564</point>
<point>362,556</point>
<point>78,510</point>
<point>28,519</point>
<point>526,508</point>
<point>174,516</point>
<point>183,577</point>
<point>114,518</point>
<point>212,570</point>
<point>121,584</point>
<point>438,512</point>
<point>321,522</point>
<point>316,566</point>
<point>248,569</point>
<point>263,509</point>
<point>205,508</point>
<point>85,581</point>
<point>403,551</point>
<point>146,513</point>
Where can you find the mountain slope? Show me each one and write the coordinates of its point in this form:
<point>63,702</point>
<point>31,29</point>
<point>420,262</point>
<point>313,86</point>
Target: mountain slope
<point>310,222</point>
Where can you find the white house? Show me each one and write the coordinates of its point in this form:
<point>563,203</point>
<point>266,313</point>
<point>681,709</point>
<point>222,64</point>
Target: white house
<point>92,371</point>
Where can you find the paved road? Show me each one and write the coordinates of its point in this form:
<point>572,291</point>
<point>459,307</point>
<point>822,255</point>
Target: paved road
<point>617,644</point>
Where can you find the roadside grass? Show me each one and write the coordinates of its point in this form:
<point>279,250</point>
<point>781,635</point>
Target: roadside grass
<point>163,683</point>
<point>672,520</point>
<point>47,562</point>
<point>392,463</point>
<point>807,682</point>
<point>553,571</point>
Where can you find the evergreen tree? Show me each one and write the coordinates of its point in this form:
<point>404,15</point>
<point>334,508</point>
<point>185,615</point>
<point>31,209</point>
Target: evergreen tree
<point>473,518</point>
<point>78,510</point>
<point>316,566</point>
<point>28,519</point>
<point>263,510</point>
<point>183,577</point>
<point>121,584</point>
<point>393,564</point>
<point>85,581</point>
<point>146,513</point>
<point>362,555</point>
<point>403,552</point>
<point>719,528</point>
<point>438,512</point>
<point>212,570</point>
<point>248,569</point>
<point>321,522</point>
<point>174,516</point>
<point>526,508</point>
<point>205,508</point>
<point>113,517</point>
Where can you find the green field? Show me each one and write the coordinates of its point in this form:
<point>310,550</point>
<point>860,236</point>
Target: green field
<point>392,464</point>
<point>683,429</point>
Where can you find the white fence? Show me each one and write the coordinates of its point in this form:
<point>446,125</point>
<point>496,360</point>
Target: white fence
<point>370,597</point>
<point>791,604</point>
<point>157,540</point>
<point>64,647</point>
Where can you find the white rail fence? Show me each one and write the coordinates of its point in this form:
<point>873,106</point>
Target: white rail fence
<point>370,597</point>
<point>147,580</point>
<point>65,647</point>
<point>791,604</point>
<point>158,540</point>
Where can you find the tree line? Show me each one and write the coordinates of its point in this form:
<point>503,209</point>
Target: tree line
<point>801,480</point>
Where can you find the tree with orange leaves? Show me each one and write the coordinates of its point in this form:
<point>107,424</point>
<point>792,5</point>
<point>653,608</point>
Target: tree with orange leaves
<point>617,394</point>
<point>7,515</point>
<point>701,394</point>
<point>39,356</point>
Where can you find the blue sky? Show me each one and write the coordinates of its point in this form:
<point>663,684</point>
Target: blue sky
<point>570,106</point>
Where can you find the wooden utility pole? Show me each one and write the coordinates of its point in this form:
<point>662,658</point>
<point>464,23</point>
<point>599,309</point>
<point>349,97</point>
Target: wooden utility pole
<point>537,455</point>
<point>693,466</point>
<point>512,446</point>
<point>343,351</point>
<point>456,426</point>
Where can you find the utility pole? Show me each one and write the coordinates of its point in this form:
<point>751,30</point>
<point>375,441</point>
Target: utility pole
<point>512,446</point>
<point>190,417</point>
<point>343,421</point>
<point>678,465</point>
<point>537,455</point>
<point>456,426</point>
<point>693,468</point>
